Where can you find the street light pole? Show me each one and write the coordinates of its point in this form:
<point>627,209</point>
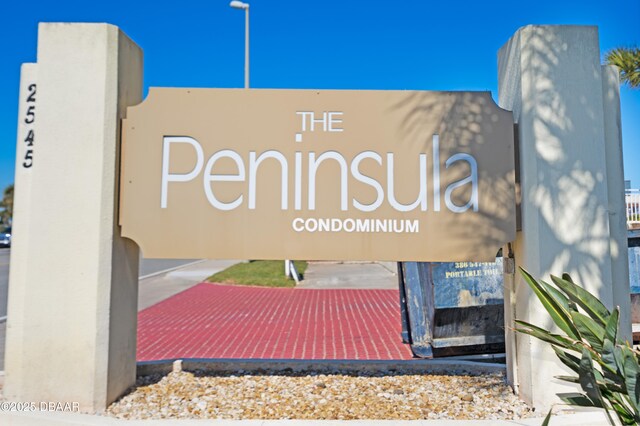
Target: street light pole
<point>236,4</point>
<point>245,6</point>
<point>246,47</point>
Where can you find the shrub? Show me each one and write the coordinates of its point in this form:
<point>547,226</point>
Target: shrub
<point>607,368</point>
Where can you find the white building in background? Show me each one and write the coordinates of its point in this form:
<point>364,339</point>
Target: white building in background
<point>632,199</point>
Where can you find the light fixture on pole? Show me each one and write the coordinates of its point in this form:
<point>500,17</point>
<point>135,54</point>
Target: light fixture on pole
<point>245,6</point>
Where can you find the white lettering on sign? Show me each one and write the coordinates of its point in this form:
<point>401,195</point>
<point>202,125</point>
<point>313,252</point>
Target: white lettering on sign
<point>253,172</point>
<point>208,178</point>
<point>329,120</point>
<point>169,177</point>
<point>355,225</point>
<point>473,201</point>
<point>313,168</point>
<point>315,161</point>
<point>422,195</point>
<point>355,171</point>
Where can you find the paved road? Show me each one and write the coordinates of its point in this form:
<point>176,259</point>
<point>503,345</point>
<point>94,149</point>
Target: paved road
<point>147,267</point>
<point>4,279</point>
<point>152,266</point>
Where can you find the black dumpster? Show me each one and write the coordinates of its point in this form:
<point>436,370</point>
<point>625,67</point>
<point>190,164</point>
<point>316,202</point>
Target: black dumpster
<point>452,308</point>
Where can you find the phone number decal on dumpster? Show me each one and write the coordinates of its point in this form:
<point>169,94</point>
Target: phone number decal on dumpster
<point>39,406</point>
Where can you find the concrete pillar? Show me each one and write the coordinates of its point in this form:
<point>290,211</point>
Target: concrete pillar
<point>21,205</point>
<point>617,206</point>
<point>71,328</point>
<point>551,78</point>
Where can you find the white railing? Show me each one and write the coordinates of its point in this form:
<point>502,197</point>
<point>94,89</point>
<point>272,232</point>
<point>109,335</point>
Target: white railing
<point>632,199</point>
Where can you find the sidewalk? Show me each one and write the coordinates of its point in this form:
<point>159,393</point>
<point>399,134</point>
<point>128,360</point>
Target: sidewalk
<point>354,275</point>
<point>159,287</point>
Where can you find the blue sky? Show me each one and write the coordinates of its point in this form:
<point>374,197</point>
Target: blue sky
<point>420,45</point>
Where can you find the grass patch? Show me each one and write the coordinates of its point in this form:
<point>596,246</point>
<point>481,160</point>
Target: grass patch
<point>263,273</point>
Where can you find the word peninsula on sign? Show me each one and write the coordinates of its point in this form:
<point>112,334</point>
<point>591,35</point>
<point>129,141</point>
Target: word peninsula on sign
<point>346,168</point>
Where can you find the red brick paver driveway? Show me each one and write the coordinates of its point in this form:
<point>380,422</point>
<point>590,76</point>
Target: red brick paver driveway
<point>220,321</point>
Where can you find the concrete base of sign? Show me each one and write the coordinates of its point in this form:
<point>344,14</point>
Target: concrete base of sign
<point>567,110</point>
<point>71,329</point>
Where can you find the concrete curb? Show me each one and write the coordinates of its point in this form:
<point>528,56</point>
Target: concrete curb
<point>164,271</point>
<point>390,266</point>
<point>221,366</point>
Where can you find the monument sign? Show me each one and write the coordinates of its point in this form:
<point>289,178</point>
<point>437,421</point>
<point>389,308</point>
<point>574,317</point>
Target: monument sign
<point>306,174</point>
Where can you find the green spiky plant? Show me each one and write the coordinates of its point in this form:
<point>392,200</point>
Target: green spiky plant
<point>608,369</point>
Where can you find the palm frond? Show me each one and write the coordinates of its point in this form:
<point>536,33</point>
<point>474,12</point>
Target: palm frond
<point>627,59</point>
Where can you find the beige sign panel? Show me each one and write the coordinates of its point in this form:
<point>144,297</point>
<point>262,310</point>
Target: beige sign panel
<point>306,174</point>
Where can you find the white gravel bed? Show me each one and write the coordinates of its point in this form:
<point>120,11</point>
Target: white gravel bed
<point>384,396</point>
